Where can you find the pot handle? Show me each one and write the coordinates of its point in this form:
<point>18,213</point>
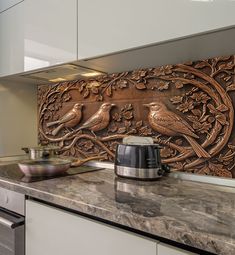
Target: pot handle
<point>25,149</point>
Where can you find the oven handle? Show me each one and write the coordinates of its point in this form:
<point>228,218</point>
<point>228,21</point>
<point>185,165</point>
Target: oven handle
<point>11,224</point>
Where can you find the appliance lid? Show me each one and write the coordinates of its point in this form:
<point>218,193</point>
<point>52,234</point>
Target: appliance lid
<point>137,140</point>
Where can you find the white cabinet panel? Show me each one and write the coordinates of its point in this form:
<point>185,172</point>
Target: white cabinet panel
<point>50,35</point>
<point>36,34</point>
<point>12,40</point>
<point>5,4</point>
<point>163,249</point>
<point>107,26</point>
<point>50,231</point>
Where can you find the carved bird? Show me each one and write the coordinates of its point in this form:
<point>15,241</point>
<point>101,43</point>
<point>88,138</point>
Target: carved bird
<point>99,120</point>
<point>69,120</point>
<point>169,123</point>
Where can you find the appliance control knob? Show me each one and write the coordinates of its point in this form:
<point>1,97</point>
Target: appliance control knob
<point>160,172</point>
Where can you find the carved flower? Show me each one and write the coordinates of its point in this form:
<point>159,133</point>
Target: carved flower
<point>167,152</point>
<point>200,97</point>
<point>67,97</point>
<point>117,117</point>
<point>176,99</point>
<point>128,115</point>
<point>162,85</point>
<point>122,84</point>
<point>163,70</point>
<point>186,106</point>
<point>145,131</point>
<point>138,75</point>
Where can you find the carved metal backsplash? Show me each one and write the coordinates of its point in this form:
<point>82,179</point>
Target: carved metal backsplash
<point>187,108</point>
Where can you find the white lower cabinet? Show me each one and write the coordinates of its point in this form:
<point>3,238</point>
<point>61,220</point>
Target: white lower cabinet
<point>163,249</point>
<point>52,231</point>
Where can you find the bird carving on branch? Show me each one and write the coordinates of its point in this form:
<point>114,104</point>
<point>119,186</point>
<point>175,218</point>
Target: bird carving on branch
<point>168,123</point>
<point>71,119</point>
<point>100,120</point>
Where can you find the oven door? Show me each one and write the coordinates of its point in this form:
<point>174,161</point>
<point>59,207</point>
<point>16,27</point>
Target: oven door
<point>11,233</point>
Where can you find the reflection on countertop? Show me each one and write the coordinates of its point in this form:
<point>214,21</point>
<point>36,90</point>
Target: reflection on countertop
<point>192,213</point>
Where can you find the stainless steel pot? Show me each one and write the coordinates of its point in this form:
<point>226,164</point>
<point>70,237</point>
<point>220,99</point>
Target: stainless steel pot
<point>50,167</point>
<point>41,152</point>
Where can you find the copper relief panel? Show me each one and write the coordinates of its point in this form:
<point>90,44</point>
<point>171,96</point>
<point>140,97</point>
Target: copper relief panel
<point>187,108</point>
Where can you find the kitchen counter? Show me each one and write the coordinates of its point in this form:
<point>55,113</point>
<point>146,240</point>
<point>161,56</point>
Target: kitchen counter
<point>196,214</point>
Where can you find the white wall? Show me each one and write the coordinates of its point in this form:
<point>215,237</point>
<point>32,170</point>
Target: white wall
<point>18,118</point>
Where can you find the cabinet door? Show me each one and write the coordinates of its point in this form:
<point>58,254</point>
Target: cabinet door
<point>107,26</point>
<point>36,34</point>
<point>163,249</point>
<point>50,35</point>
<point>5,4</point>
<point>12,40</point>
<point>50,231</point>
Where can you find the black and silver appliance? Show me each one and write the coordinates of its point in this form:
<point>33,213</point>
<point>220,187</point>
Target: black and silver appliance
<point>12,234</point>
<point>139,160</point>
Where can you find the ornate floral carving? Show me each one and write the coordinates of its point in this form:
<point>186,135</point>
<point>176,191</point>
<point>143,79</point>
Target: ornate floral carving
<point>199,92</point>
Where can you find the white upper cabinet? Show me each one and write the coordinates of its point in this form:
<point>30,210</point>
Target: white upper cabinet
<point>12,40</point>
<point>50,35</point>
<point>6,4</point>
<point>108,26</point>
<point>36,34</point>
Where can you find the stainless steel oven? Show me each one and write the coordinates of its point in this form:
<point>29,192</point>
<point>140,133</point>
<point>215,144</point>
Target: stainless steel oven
<point>12,232</point>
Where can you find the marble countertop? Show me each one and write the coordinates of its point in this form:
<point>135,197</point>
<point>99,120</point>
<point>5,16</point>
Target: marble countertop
<point>196,214</point>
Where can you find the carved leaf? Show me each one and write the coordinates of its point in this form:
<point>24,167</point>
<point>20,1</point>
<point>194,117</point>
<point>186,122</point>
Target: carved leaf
<point>72,151</point>
<point>222,119</point>
<point>201,65</point>
<point>224,58</point>
<point>127,123</point>
<point>222,108</point>
<point>139,124</point>
<point>227,66</point>
<point>82,86</point>
<point>127,107</point>
<point>192,118</point>
<point>230,87</point>
<point>109,91</point>
<point>121,130</point>
<point>140,85</point>
<point>94,90</point>
<point>196,112</point>
<point>113,128</point>
<point>99,98</point>
<point>86,94</point>
<point>179,142</point>
<point>211,119</point>
<point>179,84</point>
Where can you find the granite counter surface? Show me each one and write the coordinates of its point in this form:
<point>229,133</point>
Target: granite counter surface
<point>196,214</point>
